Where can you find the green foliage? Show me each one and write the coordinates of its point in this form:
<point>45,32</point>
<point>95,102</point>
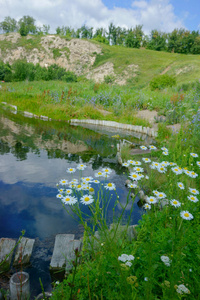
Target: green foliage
<point>162,81</point>
<point>5,71</point>
<point>9,25</point>
<point>69,77</point>
<point>27,25</point>
<point>56,53</point>
<point>109,79</point>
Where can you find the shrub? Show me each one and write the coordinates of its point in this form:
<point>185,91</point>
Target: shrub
<point>69,77</point>
<point>162,81</point>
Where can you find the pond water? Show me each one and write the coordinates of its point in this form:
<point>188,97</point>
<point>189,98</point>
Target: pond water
<point>34,156</point>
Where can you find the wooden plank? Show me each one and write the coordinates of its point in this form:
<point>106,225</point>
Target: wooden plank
<point>6,252</point>
<point>61,250</point>
<point>24,251</point>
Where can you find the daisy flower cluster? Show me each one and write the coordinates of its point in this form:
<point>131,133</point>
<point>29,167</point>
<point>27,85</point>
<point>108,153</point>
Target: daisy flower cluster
<point>70,192</point>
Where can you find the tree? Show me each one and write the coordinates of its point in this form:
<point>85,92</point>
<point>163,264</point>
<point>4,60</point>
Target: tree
<point>157,41</point>
<point>134,37</point>
<point>27,25</point>
<point>5,71</point>
<point>46,29</point>
<point>9,25</point>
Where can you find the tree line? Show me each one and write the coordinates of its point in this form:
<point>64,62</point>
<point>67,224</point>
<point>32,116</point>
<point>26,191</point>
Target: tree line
<point>178,41</point>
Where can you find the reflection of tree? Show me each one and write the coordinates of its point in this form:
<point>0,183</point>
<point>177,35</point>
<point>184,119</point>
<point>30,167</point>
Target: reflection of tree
<point>4,147</point>
<point>20,151</point>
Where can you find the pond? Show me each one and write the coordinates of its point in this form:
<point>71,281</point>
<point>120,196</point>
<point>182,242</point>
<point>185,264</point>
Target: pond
<point>34,156</point>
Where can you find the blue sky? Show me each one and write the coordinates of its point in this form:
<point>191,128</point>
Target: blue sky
<point>187,10</point>
<point>163,15</point>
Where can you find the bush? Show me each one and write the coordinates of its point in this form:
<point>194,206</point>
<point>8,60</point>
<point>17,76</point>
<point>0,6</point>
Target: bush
<point>5,71</point>
<point>162,81</point>
<point>69,77</point>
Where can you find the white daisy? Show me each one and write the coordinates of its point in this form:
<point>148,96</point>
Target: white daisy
<point>63,182</point>
<point>143,147</point>
<point>164,149</point>
<point>131,162</point>
<point>69,200</point>
<point>110,186</point>
<point>86,199</point>
<point>175,203</point>
<point>181,185</point>
<point>177,170</point>
<point>132,185</point>
<point>106,170</point>
<point>137,163</point>
<point>161,195</point>
<point>192,174</point>
<point>59,196</point>
<point>146,160</point>
<point>165,153</point>
<point>155,192</point>
<point>134,176</point>
<point>68,191</point>
<point>151,147</point>
<point>79,187</point>
<point>147,206</point>
<point>151,200</point>
<point>87,179</point>
<point>138,169</point>
<point>186,215</point>
<point>164,163</point>
<point>98,174</point>
<point>193,198</point>
<point>71,170</point>
<point>81,167</point>
<point>194,191</point>
<point>166,260</point>
<point>154,165</point>
<point>198,163</point>
<point>194,154</point>
<point>125,164</point>
<point>161,169</point>
<point>96,181</point>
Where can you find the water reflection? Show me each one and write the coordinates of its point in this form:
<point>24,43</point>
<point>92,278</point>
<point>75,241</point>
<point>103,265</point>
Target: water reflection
<point>34,157</point>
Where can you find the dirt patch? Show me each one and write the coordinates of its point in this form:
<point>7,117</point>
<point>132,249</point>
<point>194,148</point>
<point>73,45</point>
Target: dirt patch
<point>148,115</point>
<point>166,70</point>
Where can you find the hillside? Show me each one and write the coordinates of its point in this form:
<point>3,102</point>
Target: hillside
<point>94,60</point>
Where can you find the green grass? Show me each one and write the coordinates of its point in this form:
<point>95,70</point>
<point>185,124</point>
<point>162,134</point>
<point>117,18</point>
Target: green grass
<point>150,63</point>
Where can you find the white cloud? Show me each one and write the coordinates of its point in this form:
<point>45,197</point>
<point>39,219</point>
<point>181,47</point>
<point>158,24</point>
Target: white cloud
<point>152,14</point>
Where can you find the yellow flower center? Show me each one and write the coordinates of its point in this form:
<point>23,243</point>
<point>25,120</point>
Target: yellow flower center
<point>193,191</point>
<point>151,200</point>
<point>134,176</point>
<point>71,170</point>
<point>67,199</point>
<point>110,184</point>
<point>91,190</point>
<point>160,195</point>
<point>87,199</point>
<point>192,198</point>
<point>78,186</point>
<point>175,202</point>
<point>186,215</point>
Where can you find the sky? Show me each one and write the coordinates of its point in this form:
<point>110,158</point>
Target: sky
<point>163,15</point>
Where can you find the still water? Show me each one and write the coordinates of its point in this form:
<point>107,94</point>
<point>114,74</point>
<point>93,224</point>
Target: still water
<point>34,156</point>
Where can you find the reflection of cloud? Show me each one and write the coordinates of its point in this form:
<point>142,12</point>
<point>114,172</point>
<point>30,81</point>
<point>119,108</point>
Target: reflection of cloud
<point>39,169</point>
